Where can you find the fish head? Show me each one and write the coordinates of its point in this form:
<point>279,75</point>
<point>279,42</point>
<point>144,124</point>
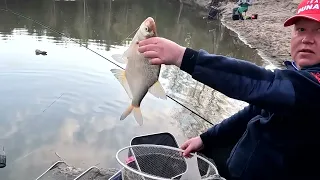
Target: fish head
<point>148,28</point>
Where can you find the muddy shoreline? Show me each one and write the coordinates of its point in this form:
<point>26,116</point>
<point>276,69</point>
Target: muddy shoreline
<point>266,34</point>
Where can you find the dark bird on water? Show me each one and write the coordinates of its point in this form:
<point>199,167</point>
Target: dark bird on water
<point>40,52</point>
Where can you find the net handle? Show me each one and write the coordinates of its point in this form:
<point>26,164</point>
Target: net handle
<point>158,146</point>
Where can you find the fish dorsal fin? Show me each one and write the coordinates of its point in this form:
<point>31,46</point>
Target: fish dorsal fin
<point>120,58</point>
<point>127,52</point>
<point>133,49</point>
<point>120,75</point>
<point>157,90</point>
<point>123,58</point>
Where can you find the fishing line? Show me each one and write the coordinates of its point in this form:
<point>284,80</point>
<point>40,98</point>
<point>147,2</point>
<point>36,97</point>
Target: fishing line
<point>26,17</point>
<point>53,102</point>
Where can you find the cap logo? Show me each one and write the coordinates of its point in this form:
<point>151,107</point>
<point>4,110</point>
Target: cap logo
<point>311,5</point>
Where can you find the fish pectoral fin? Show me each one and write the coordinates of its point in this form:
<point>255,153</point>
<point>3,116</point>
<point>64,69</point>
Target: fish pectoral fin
<point>120,58</point>
<point>157,90</point>
<point>120,75</point>
<point>136,113</point>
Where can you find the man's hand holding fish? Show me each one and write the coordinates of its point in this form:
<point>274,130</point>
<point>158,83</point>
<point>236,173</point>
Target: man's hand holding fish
<point>161,51</point>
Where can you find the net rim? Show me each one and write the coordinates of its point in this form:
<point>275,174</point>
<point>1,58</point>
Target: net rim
<point>159,146</point>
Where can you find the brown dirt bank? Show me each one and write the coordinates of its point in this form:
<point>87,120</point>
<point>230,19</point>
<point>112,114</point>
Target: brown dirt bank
<point>266,34</point>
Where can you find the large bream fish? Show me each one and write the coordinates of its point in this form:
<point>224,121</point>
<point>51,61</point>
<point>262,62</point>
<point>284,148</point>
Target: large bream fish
<point>139,76</point>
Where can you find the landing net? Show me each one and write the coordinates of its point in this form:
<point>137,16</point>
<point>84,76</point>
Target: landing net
<point>159,162</point>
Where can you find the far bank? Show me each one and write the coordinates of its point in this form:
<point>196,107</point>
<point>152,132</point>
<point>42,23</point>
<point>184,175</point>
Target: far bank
<point>266,34</point>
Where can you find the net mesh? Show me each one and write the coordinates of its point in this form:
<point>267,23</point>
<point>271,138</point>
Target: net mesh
<point>62,171</point>
<point>95,173</point>
<point>150,162</point>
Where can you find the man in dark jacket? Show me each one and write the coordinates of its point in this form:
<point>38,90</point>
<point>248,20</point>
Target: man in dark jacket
<point>277,135</point>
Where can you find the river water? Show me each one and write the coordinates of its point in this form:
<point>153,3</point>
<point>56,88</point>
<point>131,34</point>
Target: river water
<point>68,103</point>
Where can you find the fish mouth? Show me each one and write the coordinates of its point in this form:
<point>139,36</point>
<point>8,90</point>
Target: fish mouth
<point>306,50</point>
<point>152,34</point>
<point>150,19</point>
<point>152,28</point>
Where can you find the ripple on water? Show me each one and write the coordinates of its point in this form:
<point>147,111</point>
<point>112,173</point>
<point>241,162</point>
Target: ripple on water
<point>110,106</point>
<point>65,99</point>
<point>77,77</point>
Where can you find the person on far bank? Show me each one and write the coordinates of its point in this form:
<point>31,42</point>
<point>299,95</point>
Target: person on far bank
<point>277,136</point>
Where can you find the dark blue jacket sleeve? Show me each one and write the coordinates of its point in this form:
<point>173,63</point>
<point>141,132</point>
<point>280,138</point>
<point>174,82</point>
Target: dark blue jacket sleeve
<point>281,91</point>
<point>230,130</point>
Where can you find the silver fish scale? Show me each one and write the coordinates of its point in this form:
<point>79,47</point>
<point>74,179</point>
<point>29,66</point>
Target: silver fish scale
<point>141,75</point>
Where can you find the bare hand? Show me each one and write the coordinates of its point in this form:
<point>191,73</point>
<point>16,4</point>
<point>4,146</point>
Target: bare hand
<point>161,51</point>
<point>192,145</point>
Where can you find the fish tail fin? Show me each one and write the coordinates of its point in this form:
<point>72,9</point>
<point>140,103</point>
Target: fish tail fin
<point>121,77</point>
<point>126,112</point>
<point>136,113</point>
<point>157,90</point>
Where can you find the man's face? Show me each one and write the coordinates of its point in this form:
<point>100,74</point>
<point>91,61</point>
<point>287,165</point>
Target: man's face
<point>305,43</point>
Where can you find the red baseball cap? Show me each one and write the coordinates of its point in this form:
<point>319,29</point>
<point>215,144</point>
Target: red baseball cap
<point>309,9</point>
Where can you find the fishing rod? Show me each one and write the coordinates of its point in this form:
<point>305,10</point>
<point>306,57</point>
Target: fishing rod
<point>26,17</point>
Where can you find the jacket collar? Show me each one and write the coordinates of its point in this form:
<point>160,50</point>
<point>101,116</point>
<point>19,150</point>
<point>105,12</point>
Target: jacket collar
<point>291,65</point>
